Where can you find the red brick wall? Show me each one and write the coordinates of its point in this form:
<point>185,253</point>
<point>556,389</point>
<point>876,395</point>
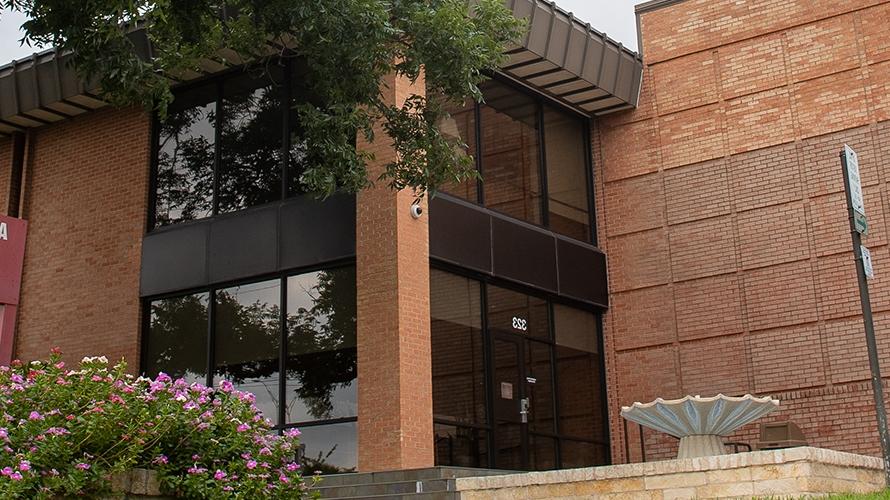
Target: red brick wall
<point>395,418</point>
<point>5,172</point>
<point>86,199</point>
<point>721,209</point>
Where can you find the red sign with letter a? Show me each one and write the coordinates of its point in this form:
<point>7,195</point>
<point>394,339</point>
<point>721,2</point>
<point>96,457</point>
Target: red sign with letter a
<point>12,256</point>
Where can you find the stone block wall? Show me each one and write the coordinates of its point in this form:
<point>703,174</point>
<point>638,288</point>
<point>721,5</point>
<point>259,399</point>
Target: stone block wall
<point>796,472</point>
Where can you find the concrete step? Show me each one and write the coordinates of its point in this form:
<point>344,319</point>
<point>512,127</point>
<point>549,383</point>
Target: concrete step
<point>438,495</point>
<point>405,475</point>
<point>391,488</point>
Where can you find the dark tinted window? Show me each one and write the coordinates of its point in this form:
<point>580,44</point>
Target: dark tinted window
<point>519,313</point>
<point>177,338</point>
<point>321,363</point>
<point>247,340</point>
<point>458,364</point>
<point>566,150</point>
<point>461,446</point>
<point>331,448</point>
<point>460,126</point>
<point>510,156</point>
<point>250,141</point>
<point>185,158</point>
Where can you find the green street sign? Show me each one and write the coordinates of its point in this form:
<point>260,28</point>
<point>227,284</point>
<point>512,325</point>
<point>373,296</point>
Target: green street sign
<point>860,222</point>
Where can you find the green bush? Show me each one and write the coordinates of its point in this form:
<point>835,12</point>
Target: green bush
<point>65,432</point>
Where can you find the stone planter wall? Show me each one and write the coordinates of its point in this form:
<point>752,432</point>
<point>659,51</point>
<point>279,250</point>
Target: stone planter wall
<point>137,484</point>
<point>795,472</point>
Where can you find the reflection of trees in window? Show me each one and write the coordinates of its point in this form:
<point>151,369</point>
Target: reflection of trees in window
<point>250,146</point>
<point>321,342</point>
<point>177,341</point>
<point>321,346</point>
<point>185,164</point>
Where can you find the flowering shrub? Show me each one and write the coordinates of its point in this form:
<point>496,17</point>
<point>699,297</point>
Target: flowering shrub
<point>65,432</point>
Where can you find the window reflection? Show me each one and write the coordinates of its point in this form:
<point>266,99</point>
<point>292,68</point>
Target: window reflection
<point>516,312</point>
<point>461,446</point>
<point>567,202</point>
<point>321,363</point>
<point>177,338</point>
<point>185,158</point>
<point>250,142</point>
<point>458,367</point>
<point>247,340</point>
<point>579,393</point>
<point>460,127</point>
<point>510,157</point>
<point>331,448</point>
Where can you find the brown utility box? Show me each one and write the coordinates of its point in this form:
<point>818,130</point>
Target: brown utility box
<point>777,435</point>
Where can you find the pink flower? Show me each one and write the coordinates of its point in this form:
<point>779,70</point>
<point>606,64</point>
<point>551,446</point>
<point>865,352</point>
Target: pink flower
<point>15,476</point>
<point>251,464</point>
<point>219,475</point>
<point>292,433</point>
<point>292,466</point>
<point>161,460</point>
<point>16,378</point>
<point>163,378</point>
<point>284,479</point>
<point>35,416</point>
<point>243,428</point>
<point>191,405</point>
<point>6,471</point>
<point>82,466</point>
<point>24,466</point>
<point>226,386</point>
<point>196,470</point>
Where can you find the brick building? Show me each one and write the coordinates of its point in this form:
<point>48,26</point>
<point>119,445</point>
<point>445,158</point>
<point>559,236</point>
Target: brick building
<point>655,224</point>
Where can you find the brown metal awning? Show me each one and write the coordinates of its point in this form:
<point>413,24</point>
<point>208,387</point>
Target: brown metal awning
<point>572,62</point>
<point>559,56</point>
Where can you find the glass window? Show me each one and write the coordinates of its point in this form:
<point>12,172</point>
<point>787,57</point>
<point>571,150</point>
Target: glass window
<point>461,446</point>
<point>321,364</point>
<point>580,394</point>
<point>460,126</point>
<point>510,152</point>
<point>185,158</point>
<point>247,340</point>
<point>517,312</point>
<point>576,454</point>
<point>177,338</point>
<point>566,151</point>
<point>251,129</point>
<point>542,452</point>
<point>330,449</point>
<point>458,364</point>
<point>576,328</point>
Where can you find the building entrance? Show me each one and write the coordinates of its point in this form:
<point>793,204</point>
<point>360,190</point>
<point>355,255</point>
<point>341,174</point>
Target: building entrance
<point>517,379</point>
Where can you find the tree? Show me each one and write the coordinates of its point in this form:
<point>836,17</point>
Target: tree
<point>347,47</point>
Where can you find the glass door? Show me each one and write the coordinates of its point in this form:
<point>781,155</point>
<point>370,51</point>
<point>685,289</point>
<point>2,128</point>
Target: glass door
<point>510,403</point>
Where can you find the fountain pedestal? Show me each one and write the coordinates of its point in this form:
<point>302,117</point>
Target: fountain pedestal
<point>699,422</point>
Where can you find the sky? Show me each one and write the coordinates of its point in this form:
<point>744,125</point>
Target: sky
<point>614,17</point>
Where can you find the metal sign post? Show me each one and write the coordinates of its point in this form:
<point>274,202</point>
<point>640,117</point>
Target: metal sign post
<point>858,226</point>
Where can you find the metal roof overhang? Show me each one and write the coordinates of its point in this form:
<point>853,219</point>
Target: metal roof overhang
<point>559,57</point>
<point>568,60</point>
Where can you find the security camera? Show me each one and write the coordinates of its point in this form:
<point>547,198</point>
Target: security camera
<point>416,210</point>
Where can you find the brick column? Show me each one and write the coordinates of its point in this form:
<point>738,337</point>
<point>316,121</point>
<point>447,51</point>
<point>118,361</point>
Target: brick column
<point>395,419</point>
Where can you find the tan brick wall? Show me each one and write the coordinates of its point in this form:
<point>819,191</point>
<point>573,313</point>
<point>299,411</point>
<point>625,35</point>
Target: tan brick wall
<point>5,172</point>
<point>721,210</point>
<point>86,199</point>
<point>395,418</point>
